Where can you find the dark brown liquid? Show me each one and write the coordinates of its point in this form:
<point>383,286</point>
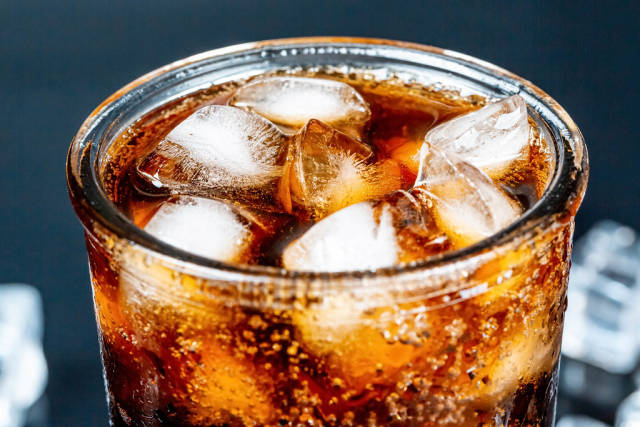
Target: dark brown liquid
<point>175,354</point>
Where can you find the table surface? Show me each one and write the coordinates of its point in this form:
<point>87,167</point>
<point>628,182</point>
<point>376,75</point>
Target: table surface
<point>57,63</point>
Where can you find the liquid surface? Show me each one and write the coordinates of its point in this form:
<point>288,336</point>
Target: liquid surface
<point>328,173</point>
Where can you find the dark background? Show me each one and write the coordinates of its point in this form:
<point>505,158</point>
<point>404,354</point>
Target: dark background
<point>58,61</point>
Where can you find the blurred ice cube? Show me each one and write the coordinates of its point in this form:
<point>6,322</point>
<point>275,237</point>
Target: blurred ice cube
<point>467,205</point>
<point>601,321</point>
<point>601,345</point>
<point>628,413</point>
<point>579,421</point>
<point>490,138</point>
<point>205,227</point>
<point>23,369</point>
<point>217,151</point>
<point>591,389</point>
<point>381,233</point>
<point>292,101</point>
<point>613,250</point>
<point>604,293</point>
<point>354,342</point>
<point>327,170</point>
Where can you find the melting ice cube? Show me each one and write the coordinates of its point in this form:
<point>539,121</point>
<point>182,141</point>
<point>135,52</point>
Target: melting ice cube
<point>466,204</point>
<point>292,101</point>
<point>490,138</point>
<point>327,170</point>
<point>23,368</point>
<point>205,227</point>
<point>218,151</point>
<point>349,239</point>
<point>604,294</point>
<point>367,235</point>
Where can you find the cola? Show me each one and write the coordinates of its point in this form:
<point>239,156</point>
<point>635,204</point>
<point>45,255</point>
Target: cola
<point>320,228</point>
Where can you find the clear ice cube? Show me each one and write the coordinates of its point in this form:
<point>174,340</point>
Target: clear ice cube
<point>349,337</point>
<point>368,235</point>
<point>327,170</point>
<point>370,243</point>
<point>205,227</point>
<point>628,414</point>
<point>604,293</point>
<point>291,102</point>
<point>465,202</point>
<point>613,250</point>
<point>217,151</point>
<point>600,322</point>
<point>491,138</point>
<point>23,368</point>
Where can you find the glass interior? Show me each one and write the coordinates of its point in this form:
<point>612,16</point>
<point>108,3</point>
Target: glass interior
<point>412,63</point>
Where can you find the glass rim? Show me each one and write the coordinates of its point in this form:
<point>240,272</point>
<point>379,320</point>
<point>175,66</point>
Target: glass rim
<point>561,198</point>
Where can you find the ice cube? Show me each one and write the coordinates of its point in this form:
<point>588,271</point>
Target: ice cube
<point>370,243</point>
<point>379,233</point>
<point>205,227</point>
<point>327,170</point>
<point>23,368</point>
<point>600,322</point>
<point>400,136</point>
<point>292,101</point>
<point>604,294</point>
<point>491,138</point>
<point>218,151</point>
<point>612,249</point>
<point>221,386</point>
<point>228,389</point>
<point>466,204</point>
<point>628,414</point>
<point>350,341</point>
<point>518,360</point>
